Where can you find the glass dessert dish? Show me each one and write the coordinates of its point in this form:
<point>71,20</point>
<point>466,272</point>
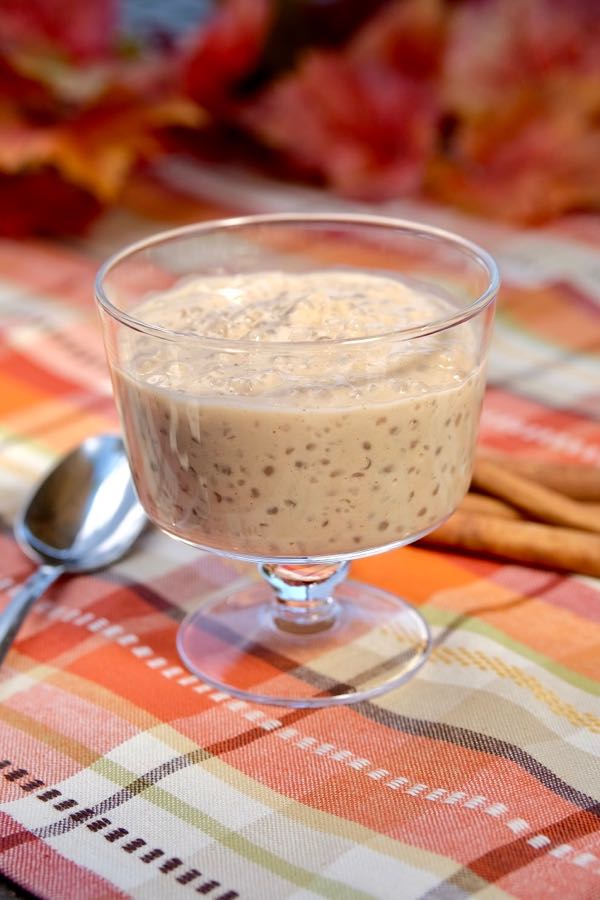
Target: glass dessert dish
<point>299,391</point>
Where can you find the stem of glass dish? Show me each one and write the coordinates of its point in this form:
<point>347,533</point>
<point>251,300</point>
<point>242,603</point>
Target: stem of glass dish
<point>304,601</point>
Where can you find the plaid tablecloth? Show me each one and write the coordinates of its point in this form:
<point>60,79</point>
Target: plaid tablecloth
<point>121,775</point>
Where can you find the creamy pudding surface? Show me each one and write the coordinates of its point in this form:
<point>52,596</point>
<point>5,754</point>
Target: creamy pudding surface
<point>288,444</point>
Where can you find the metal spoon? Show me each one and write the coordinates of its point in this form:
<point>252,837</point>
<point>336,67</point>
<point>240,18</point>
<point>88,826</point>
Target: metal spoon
<point>84,515</point>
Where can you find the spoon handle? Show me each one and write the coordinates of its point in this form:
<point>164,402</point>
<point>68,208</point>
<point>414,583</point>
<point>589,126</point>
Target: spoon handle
<point>11,617</point>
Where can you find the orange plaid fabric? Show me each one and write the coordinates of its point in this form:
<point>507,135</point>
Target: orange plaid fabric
<point>122,775</point>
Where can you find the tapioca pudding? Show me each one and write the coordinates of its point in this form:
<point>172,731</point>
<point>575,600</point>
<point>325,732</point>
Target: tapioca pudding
<point>259,433</point>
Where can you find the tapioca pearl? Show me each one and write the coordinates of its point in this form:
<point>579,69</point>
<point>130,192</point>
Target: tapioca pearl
<point>366,445</point>
<point>325,523</point>
<point>289,450</point>
<point>422,512</point>
<point>413,423</point>
<point>435,491</point>
<point>325,461</point>
<point>268,470</point>
<point>272,511</point>
<point>336,473</point>
<point>310,446</point>
<point>411,496</point>
<point>254,492</point>
<point>300,464</point>
<point>383,526</point>
<point>357,538</point>
<point>413,444</point>
<point>394,429</point>
<point>387,469</point>
<point>381,420</point>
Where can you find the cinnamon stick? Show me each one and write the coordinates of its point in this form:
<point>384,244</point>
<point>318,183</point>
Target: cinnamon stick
<point>565,549</point>
<point>488,506</point>
<point>540,502</point>
<point>580,482</point>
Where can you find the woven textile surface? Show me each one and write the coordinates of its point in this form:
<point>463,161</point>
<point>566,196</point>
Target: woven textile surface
<point>122,775</point>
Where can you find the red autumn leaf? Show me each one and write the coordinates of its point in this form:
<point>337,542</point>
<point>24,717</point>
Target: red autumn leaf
<point>365,118</point>
<point>96,145</point>
<point>522,84</point>
<point>80,29</point>
<point>70,135</point>
<point>497,49</point>
<point>368,133</point>
<point>42,202</point>
<point>537,170</point>
<point>225,50</point>
<point>407,36</point>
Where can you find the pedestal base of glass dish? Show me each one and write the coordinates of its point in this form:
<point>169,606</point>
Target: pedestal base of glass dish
<point>305,637</point>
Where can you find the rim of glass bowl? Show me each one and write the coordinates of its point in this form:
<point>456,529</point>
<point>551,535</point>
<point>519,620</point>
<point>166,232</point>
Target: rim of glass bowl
<point>474,251</point>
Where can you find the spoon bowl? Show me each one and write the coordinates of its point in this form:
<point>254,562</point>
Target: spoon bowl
<point>83,516</point>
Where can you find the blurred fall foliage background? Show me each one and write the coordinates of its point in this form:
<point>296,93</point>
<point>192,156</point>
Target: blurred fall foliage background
<point>489,105</point>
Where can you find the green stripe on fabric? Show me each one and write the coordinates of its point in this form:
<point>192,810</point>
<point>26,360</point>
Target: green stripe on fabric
<point>260,856</point>
<point>316,819</point>
<point>484,711</point>
<point>309,817</point>
<point>43,734</point>
<point>443,617</point>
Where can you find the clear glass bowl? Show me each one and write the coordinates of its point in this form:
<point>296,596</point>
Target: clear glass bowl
<point>349,430</point>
